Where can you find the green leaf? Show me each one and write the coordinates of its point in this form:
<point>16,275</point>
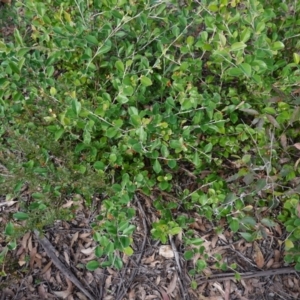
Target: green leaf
<point>99,251</point>
<point>119,66</point>
<point>234,71</point>
<point>196,241</point>
<point>129,230</point>
<point>21,63</point>
<point>201,265</point>
<point>188,254</point>
<point>58,134</point>
<point>208,147</point>
<point>76,106</point>
<point>92,265</point>
<point>238,46</point>
<point>234,19</point>
<point>260,27</point>
<point>99,165</point>
<point>296,58</point>
<point>156,166</point>
<point>112,158</point>
<point>268,222</point>
<point>111,132</point>
<point>14,67</point>
<point>277,46</point>
<point>9,229</point>
<point>146,81</point>
<point>127,90</point>
<point>12,245</point>
<point>128,251</point>
<point>196,159</point>
<point>135,120</point>
<point>246,68</point>
<point>234,225</point>
<point>247,236</point>
<point>104,48</point>
<point>297,267</point>
<point>288,245</point>
<point>91,39</point>
<point>175,230</point>
<point>245,35</point>
<point>117,14</point>
<point>296,234</point>
<point>118,264</point>
<point>122,99</point>
<point>21,216</point>
<point>172,163</point>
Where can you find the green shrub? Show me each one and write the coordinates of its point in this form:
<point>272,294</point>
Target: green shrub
<point>115,97</point>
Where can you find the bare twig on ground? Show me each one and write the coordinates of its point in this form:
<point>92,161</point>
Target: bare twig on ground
<point>50,250</point>
<point>230,276</point>
<point>182,284</point>
<point>120,294</point>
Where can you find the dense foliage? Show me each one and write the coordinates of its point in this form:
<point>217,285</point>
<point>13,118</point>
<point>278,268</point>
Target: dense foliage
<point>114,98</point>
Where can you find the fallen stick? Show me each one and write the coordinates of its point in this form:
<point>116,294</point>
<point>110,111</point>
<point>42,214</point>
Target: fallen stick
<point>230,276</point>
<point>50,250</point>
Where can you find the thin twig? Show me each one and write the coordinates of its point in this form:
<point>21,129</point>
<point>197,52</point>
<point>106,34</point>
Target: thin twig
<point>121,294</point>
<point>50,250</point>
<point>184,293</point>
<point>230,276</point>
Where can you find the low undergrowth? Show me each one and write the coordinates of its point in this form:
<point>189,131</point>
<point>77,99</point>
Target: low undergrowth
<point>116,98</point>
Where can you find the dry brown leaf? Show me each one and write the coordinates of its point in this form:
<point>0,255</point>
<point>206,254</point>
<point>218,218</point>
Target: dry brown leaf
<point>173,284</point>
<point>223,237</point>
<point>108,282</point>
<point>84,235</point>
<point>89,277</point>
<point>297,145</point>
<point>273,121</point>
<point>258,256</point>
<point>47,275</point>
<point>277,255</point>
<point>29,244</point>
<point>62,294</point>
<point>270,263</point>
<point>32,257</point>
<point>142,292</point>
<point>88,251</point>
<point>148,260</point>
<point>42,292</point>
<point>298,210</point>
<point>218,286</point>
<point>74,238</point>
<point>68,204</point>
<point>45,269</point>
<point>297,163</point>
<point>131,295</point>
<point>81,296</point>
<point>278,229</point>
<point>283,141</point>
<point>166,251</point>
<point>67,293</point>
<point>58,279</point>
<point>227,289</point>
<point>164,295</point>
<point>214,241</point>
<point>67,257</point>
<point>22,260</point>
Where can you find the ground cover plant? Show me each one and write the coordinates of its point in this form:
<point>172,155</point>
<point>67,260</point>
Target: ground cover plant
<point>121,98</point>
